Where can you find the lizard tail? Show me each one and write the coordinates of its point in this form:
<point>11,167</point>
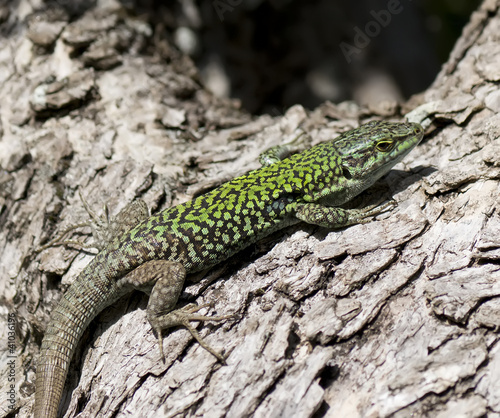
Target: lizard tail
<point>81,303</point>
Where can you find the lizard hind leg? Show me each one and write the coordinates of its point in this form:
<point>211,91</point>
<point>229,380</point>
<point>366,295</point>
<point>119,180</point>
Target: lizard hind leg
<point>105,229</point>
<point>165,279</point>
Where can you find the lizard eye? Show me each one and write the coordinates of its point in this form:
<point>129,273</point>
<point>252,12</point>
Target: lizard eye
<point>385,145</point>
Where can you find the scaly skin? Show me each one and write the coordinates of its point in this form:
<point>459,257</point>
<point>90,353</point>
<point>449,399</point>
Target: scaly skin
<point>156,254</point>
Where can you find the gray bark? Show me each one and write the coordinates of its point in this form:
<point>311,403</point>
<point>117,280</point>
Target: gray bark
<point>398,317</point>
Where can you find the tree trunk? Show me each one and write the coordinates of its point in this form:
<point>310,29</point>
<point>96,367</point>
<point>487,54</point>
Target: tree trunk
<point>396,317</point>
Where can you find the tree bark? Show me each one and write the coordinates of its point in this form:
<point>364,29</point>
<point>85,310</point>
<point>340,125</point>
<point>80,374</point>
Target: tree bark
<point>398,317</point>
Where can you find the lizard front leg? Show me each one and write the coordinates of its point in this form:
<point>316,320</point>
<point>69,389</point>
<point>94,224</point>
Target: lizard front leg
<point>280,152</point>
<point>333,217</point>
<point>165,279</point>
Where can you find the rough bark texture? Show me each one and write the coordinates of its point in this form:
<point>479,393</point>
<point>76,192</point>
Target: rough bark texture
<point>398,317</point>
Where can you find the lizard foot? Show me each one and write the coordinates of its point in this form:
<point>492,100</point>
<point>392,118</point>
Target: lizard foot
<point>182,317</point>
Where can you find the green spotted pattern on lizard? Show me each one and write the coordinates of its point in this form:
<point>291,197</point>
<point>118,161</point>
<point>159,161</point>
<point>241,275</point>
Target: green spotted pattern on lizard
<point>155,254</point>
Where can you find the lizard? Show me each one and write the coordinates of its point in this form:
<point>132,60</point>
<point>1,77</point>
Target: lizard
<point>155,253</point>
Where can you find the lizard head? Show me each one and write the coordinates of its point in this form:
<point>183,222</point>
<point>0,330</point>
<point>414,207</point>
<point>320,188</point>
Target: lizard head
<point>370,151</point>
<point>361,156</point>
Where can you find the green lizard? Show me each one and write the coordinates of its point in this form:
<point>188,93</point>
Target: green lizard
<point>155,253</point>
